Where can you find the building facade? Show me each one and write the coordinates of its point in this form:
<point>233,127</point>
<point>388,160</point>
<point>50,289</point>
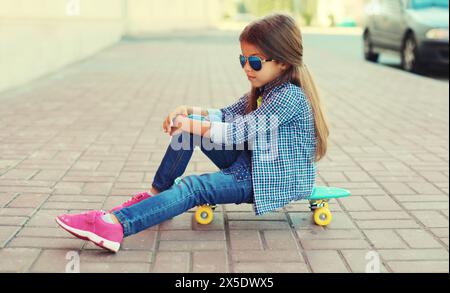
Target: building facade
<point>42,36</point>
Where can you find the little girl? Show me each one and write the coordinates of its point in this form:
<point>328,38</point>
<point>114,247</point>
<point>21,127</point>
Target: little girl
<point>282,105</point>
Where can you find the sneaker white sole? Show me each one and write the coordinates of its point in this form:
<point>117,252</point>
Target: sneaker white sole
<point>99,241</point>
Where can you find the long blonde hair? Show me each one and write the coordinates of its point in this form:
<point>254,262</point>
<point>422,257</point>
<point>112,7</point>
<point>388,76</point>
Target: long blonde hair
<point>279,38</point>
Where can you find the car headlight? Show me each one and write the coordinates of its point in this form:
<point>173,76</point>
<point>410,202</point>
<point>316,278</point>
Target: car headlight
<point>438,34</point>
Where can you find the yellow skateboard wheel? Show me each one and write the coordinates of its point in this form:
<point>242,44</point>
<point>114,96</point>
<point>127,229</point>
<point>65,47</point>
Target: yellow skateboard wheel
<point>322,216</point>
<point>204,215</point>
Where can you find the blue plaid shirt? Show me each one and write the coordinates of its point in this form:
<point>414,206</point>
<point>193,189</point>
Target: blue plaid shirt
<point>282,138</point>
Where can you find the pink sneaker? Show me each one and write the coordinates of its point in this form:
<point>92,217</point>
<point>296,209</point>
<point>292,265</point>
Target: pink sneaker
<point>90,226</point>
<point>132,201</point>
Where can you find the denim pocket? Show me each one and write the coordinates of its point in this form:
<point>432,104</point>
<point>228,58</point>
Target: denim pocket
<point>240,173</point>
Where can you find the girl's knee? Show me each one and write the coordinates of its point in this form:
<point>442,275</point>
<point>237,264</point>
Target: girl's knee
<point>185,141</point>
<point>189,183</point>
<point>198,187</point>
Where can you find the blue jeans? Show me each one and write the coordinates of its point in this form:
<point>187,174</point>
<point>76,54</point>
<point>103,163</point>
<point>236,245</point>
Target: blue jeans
<point>232,184</point>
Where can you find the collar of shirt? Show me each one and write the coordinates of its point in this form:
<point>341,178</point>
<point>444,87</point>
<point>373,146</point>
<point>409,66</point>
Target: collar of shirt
<point>268,87</point>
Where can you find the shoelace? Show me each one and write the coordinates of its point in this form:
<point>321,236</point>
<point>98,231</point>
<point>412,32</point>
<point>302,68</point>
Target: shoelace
<point>91,217</point>
<point>136,197</point>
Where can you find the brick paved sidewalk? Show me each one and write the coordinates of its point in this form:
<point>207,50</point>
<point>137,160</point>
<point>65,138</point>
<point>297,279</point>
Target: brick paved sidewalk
<point>89,136</point>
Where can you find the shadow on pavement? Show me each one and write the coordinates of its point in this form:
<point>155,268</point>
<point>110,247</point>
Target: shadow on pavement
<point>441,74</point>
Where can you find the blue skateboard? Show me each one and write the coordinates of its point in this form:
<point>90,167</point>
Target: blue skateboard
<point>318,201</point>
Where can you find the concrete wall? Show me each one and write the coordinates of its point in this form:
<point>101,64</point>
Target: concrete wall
<point>149,16</point>
<point>41,36</point>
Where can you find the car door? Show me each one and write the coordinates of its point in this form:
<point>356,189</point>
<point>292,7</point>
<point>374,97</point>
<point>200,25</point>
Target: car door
<point>381,27</point>
<point>394,22</point>
<point>375,21</point>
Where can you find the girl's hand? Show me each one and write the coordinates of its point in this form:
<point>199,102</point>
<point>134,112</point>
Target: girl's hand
<point>194,126</point>
<point>168,122</point>
<point>178,124</point>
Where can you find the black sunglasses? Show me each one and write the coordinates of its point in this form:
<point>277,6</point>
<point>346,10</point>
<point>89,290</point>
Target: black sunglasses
<point>254,61</point>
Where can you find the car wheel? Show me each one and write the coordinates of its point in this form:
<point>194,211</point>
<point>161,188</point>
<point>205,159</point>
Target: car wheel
<point>409,54</point>
<point>369,55</point>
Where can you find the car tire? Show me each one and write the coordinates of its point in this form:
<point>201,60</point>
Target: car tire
<point>409,54</point>
<point>369,55</point>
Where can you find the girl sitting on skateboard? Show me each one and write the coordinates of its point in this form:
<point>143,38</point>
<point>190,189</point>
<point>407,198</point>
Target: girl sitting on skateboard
<point>265,144</point>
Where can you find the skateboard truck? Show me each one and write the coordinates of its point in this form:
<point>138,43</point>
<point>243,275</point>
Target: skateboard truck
<point>318,203</point>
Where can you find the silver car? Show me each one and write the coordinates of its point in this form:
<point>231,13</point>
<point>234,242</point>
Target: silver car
<point>417,29</point>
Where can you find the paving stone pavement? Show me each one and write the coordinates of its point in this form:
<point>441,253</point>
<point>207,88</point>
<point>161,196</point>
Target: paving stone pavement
<point>90,135</point>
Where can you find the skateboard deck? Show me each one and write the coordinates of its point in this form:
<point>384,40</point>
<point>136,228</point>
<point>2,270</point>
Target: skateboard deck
<point>323,192</point>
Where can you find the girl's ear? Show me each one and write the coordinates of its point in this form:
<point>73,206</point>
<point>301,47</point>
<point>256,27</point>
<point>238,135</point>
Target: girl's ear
<point>284,66</point>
